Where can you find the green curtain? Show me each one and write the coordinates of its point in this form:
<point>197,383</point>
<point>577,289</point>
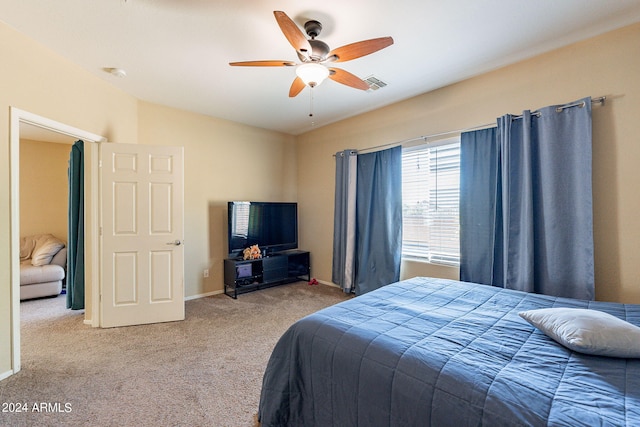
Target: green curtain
<point>75,244</point>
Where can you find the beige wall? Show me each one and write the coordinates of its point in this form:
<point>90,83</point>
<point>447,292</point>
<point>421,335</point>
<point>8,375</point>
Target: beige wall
<point>43,188</point>
<point>607,65</point>
<point>226,161</point>
<point>223,161</point>
<point>34,79</point>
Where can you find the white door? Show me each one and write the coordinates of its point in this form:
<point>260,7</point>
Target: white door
<point>142,234</point>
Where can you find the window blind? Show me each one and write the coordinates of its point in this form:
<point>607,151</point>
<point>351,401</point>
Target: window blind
<point>430,197</point>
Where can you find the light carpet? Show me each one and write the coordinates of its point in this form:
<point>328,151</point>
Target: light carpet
<point>204,371</point>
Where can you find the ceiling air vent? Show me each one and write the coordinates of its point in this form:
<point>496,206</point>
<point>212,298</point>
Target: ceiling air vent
<point>374,83</point>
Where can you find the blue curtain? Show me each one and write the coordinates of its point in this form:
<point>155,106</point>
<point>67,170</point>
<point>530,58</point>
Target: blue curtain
<point>543,214</point>
<point>480,220</point>
<point>344,220</point>
<point>378,219</point>
<point>75,244</point>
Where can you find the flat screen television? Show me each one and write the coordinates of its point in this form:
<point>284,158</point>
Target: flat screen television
<point>273,226</point>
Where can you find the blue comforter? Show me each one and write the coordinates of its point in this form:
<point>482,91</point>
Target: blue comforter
<point>444,353</point>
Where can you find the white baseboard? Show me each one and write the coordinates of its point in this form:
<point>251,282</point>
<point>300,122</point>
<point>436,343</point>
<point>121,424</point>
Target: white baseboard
<point>328,283</point>
<point>6,375</point>
<point>208,294</point>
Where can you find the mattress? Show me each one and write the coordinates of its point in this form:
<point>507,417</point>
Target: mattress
<point>444,353</point>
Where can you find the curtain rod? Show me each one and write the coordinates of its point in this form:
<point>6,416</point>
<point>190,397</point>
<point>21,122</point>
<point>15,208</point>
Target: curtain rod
<point>599,100</point>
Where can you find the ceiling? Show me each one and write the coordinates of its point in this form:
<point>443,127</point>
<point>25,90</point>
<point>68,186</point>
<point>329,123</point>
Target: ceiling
<point>176,52</point>
<point>37,133</point>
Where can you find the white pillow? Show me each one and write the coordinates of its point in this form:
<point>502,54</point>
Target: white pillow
<point>45,249</point>
<point>27,244</point>
<point>587,331</point>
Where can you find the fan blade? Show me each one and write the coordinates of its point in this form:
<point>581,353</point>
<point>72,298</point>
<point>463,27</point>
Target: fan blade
<point>296,87</point>
<point>291,31</point>
<point>346,78</point>
<point>358,49</point>
<point>266,63</point>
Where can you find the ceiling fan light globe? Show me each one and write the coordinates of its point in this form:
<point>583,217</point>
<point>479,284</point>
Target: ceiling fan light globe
<point>312,74</point>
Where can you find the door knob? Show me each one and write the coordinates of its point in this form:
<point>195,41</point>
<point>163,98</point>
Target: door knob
<point>175,243</point>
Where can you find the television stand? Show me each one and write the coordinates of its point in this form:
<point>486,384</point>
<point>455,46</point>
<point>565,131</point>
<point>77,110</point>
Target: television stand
<point>241,276</point>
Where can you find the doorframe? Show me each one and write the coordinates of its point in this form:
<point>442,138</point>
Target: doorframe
<point>91,178</point>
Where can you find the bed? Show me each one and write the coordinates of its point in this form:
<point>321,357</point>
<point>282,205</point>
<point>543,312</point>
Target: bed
<point>444,353</point>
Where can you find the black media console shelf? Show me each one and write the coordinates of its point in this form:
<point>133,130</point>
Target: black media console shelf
<point>242,276</point>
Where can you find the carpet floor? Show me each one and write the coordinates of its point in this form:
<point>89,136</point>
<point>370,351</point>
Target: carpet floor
<point>203,371</point>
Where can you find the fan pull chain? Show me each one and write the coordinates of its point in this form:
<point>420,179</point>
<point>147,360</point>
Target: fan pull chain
<point>311,105</point>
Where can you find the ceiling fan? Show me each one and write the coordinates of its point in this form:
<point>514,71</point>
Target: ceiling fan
<point>314,54</point>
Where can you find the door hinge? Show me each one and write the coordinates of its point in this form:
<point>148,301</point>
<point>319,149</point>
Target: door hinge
<point>100,231</point>
<point>99,163</point>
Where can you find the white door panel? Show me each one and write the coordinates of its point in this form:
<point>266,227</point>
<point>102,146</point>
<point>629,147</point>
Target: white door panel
<point>142,233</point>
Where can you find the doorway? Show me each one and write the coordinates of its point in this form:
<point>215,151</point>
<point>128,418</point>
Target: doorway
<point>44,207</point>
<point>26,121</point>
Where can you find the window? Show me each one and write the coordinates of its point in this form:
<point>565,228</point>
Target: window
<point>430,197</point>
